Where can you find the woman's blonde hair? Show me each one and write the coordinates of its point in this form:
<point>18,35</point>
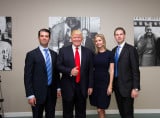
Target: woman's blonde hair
<point>103,39</point>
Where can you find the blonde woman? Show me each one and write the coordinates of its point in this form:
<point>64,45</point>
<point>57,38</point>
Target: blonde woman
<point>103,76</point>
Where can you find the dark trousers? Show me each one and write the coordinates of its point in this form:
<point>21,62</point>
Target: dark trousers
<point>125,105</point>
<point>48,106</point>
<point>78,101</point>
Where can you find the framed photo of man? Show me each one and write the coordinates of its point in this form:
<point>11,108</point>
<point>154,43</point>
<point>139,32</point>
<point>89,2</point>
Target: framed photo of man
<point>61,28</point>
<point>147,40</point>
<point>5,43</point>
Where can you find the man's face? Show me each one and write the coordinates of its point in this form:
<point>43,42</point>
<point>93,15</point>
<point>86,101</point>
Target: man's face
<point>76,39</point>
<point>119,36</point>
<point>148,31</point>
<point>84,33</point>
<point>72,22</point>
<point>44,38</point>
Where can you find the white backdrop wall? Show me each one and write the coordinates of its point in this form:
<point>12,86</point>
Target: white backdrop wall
<point>28,16</point>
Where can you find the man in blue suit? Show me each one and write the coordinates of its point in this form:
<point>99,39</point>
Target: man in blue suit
<point>127,75</point>
<point>74,93</point>
<point>40,90</point>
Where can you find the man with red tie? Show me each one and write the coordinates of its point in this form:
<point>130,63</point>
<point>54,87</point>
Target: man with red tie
<point>75,64</point>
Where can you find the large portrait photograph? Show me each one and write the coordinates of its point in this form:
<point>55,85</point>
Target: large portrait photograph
<point>147,40</point>
<point>61,28</point>
<point>5,43</point>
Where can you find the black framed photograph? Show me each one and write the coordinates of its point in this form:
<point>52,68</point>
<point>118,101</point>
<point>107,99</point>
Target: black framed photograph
<point>147,40</point>
<point>5,43</point>
<point>61,28</point>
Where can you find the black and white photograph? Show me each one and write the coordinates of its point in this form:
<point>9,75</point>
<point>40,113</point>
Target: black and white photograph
<point>5,43</point>
<point>61,28</point>
<point>147,40</point>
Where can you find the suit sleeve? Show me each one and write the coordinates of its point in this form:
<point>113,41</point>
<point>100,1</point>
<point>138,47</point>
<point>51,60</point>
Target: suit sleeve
<point>135,68</point>
<point>29,65</point>
<point>61,63</point>
<point>56,72</point>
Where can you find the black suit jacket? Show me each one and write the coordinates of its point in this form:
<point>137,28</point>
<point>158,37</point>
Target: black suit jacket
<point>128,71</point>
<point>35,75</point>
<point>66,62</point>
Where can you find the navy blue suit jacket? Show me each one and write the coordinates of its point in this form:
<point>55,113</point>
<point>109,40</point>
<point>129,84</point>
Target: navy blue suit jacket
<point>35,75</point>
<point>66,62</point>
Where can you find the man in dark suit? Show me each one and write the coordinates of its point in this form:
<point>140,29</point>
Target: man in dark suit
<point>41,86</point>
<point>87,40</point>
<point>127,74</point>
<point>74,93</point>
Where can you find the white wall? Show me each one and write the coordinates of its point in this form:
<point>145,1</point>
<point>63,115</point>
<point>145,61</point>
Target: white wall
<point>28,16</point>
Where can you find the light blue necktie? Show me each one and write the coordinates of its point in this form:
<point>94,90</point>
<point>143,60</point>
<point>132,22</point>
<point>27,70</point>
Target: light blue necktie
<point>116,61</point>
<point>48,66</point>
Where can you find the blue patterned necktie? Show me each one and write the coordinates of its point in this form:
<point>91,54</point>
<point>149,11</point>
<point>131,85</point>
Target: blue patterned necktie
<point>116,61</point>
<point>48,66</point>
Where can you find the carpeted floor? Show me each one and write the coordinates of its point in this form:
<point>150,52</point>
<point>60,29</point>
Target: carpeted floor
<point>112,116</point>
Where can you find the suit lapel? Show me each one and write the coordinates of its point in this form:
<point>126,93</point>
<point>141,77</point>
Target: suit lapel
<point>71,55</point>
<point>82,56</point>
<point>52,58</point>
<point>123,51</point>
<point>39,55</point>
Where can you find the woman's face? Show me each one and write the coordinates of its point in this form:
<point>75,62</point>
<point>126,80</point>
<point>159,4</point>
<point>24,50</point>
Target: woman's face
<point>99,42</point>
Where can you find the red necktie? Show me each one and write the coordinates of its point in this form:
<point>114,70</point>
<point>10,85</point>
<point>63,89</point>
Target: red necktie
<point>77,62</point>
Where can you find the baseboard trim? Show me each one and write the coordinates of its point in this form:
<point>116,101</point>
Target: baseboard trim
<point>89,112</point>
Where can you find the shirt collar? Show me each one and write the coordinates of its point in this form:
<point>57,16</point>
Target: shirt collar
<point>122,45</point>
<point>42,48</point>
<point>74,47</point>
